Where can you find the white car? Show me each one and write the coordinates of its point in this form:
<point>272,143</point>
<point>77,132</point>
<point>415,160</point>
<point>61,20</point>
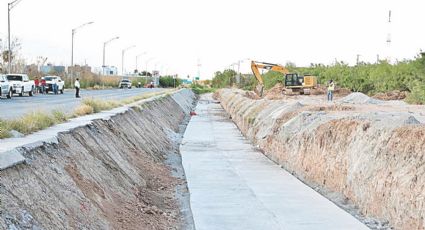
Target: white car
<point>5,87</point>
<point>124,83</point>
<point>21,84</point>
<point>51,80</point>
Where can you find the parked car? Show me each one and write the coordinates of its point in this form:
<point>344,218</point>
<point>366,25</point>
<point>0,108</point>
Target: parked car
<point>5,87</point>
<point>51,80</point>
<point>125,83</point>
<point>21,84</point>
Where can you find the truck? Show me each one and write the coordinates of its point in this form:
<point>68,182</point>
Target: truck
<point>51,80</point>
<point>5,87</point>
<point>125,83</point>
<point>21,84</point>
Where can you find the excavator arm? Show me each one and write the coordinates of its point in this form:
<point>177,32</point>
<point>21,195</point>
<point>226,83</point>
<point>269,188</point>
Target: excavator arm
<point>256,66</point>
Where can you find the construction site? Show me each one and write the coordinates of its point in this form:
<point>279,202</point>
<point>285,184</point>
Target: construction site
<point>228,160</point>
<point>212,115</point>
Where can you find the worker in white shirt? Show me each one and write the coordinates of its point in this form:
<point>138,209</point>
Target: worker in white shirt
<point>77,88</point>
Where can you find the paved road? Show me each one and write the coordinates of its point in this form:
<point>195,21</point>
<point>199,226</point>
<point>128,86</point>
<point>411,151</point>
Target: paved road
<point>67,102</point>
<point>234,186</point>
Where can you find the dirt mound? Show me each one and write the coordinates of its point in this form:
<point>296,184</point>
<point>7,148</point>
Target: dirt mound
<point>275,93</point>
<point>319,90</point>
<point>359,98</point>
<point>342,92</point>
<point>252,95</point>
<point>390,96</point>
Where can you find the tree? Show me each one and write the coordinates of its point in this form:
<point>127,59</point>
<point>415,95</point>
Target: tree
<point>15,46</point>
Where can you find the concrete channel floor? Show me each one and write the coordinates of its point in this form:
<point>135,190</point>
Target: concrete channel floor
<point>234,186</point>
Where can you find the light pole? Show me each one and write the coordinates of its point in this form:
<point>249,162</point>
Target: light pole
<point>122,58</point>
<point>137,59</point>
<point>238,78</point>
<point>72,49</point>
<point>10,6</point>
<point>104,52</point>
<point>146,71</point>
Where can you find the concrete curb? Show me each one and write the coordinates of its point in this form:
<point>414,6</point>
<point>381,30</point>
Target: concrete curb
<point>11,156</point>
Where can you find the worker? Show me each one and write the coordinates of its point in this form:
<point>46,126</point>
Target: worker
<point>77,88</point>
<point>331,89</point>
<point>37,85</point>
<point>55,86</point>
<point>43,85</point>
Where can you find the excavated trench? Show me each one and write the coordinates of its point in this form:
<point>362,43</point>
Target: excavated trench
<point>119,173</point>
<point>365,155</point>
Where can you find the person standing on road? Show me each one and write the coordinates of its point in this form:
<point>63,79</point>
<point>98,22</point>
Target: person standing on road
<point>37,85</point>
<point>55,86</point>
<point>331,89</point>
<point>43,85</point>
<point>77,88</point>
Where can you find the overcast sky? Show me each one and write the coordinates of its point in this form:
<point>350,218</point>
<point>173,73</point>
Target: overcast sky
<point>218,32</point>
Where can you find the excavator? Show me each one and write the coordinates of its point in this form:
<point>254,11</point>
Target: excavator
<point>294,83</point>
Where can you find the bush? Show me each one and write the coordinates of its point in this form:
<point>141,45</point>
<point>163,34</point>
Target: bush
<point>168,82</point>
<point>99,105</point>
<point>417,96</point>
<point>200,89</point>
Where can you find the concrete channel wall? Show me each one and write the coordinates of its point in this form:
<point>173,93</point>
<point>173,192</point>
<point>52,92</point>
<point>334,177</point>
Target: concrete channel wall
<point>375,162</point>
<point>103,171</point>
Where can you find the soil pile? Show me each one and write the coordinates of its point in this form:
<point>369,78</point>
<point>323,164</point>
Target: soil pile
<point>393,95</point>
<point>275,93</point>
<point>359,98</point>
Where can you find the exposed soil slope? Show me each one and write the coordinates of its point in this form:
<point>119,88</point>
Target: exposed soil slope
<point>366,151</point>
<point>112,174</point>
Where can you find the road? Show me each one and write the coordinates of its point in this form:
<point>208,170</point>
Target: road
<point>18,106</point>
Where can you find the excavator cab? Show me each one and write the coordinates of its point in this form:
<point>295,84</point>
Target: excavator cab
<point>295,83</point>
<point>293,79</point>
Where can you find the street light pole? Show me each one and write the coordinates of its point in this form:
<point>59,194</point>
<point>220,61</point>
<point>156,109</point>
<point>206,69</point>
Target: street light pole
<point>10,6</point>
<point>146,71</point>
<point>104,52</point>
<point>122,58</point>
<point>137,59</point>
<point>72,49</point>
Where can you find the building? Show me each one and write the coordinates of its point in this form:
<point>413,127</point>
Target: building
<point>51,69</point>
<point>110,70</point>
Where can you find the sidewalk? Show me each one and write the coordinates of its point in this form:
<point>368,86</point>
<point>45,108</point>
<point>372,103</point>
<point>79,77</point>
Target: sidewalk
<point>234,186</point>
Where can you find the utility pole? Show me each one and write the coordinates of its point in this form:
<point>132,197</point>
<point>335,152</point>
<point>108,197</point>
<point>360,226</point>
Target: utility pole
<point>72,50</point>
<point>389,39</point>
<point>122,58</point>
<point>137,59</point>
<point>104,52</point>
<point>358,59</point>
<point>10,6</point>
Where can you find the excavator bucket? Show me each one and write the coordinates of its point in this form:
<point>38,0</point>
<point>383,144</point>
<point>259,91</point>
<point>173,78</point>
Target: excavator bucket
<point>259,90</point>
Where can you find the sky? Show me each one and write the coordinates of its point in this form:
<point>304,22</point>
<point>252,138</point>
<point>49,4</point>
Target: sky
<point>177,35</point>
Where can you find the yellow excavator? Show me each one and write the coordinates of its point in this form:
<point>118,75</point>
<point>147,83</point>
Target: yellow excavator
<point>294,83</point>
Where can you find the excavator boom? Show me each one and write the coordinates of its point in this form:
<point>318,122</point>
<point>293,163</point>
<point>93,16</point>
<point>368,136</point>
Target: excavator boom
<point>256,66</point>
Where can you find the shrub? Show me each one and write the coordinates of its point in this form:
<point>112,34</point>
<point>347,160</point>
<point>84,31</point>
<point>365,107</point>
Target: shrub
<point>31,122</point>
<point>200,89</point>
<point>168,82</point>
<point>82,110</point>
<point>417,96</point>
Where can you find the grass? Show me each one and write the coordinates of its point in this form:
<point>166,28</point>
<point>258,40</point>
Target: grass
<point>36,121</point>
<point>31,122</point>
<point>200,89</point>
